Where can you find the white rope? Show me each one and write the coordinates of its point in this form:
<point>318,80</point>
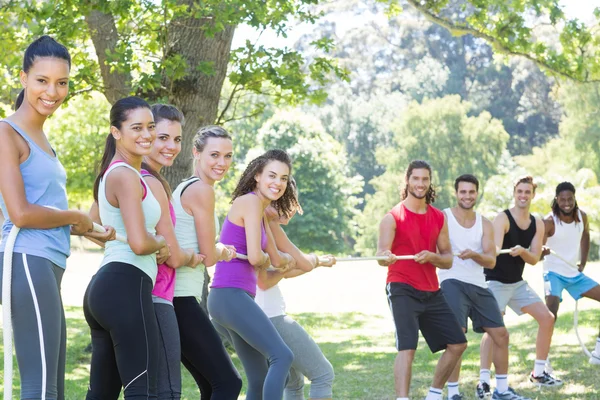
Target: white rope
<point>576,312</point>
<point>100,229</point>
<point>324,259</point>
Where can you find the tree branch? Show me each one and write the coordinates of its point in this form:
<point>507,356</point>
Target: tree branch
<point>105,37</point>
<point>460,29</point>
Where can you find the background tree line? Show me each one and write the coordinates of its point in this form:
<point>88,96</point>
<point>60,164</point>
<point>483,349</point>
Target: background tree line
<point>486,87</point>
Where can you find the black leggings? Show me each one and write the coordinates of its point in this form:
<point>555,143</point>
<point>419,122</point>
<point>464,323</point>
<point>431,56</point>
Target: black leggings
<point>203,353</point>
<point>118,308</point>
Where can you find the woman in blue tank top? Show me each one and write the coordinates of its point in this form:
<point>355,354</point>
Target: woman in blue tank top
<point>118,301</point>
<point>31,177</point>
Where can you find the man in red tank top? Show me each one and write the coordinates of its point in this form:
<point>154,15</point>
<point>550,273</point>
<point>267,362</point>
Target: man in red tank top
<point>415,227</point>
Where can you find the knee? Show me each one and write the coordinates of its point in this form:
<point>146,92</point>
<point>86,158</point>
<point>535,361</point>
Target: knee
<point>502,338</point>
<point>234,385</point>
<point>457,349</point>
<point>325,378</point>
<point>546,320</point>
<point>286,356</point>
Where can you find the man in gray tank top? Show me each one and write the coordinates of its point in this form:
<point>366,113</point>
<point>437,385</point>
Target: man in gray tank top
<point>517,230</point>
<point>567,233</point>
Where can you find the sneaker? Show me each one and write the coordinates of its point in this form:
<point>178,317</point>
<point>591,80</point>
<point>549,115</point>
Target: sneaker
<point>545,380</point>
<point>456,397</point>
<point>595,358</point>
<point>483,391</point>
<point>510,394</point>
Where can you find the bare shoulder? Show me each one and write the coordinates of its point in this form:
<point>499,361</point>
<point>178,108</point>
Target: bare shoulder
<point>123,176</point>
<point>200,192</point>
<point>248,201</point>
<point>486,222</point>
<point>156,186</point>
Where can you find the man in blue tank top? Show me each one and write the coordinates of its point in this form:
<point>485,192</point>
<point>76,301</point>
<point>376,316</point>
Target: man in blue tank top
<point>516,229</point>
<point>567,233</point>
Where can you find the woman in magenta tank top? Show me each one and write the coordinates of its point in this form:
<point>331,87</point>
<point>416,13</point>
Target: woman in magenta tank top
<point>266,358</point>
<point>166,147</point>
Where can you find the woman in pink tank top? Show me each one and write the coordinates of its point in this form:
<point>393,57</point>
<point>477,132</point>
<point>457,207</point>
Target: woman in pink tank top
<point>165,149</point>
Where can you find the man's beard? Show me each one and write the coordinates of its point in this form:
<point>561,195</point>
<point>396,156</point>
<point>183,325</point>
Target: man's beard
<point>411,191</point>
<point>466,208</point>
<point>567,214</point>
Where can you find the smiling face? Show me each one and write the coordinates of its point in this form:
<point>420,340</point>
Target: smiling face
<point>418,183</point>
<point>524,193</point>
<point>167,145</point>
<point>273,180</point>
<point>213,162</point>
<point>46,84</point>
<point>137,132</point>
<point>466,194</point>
<point>566,202</point>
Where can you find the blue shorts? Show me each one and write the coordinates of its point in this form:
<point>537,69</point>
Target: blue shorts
<point>554,284</point>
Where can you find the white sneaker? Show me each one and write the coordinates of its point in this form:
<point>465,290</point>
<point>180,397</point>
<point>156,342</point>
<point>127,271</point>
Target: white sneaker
<point>595,358</point>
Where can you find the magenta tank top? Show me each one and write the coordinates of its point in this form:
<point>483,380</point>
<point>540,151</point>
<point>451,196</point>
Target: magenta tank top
<point>237,273</point>
<point>165,278</point>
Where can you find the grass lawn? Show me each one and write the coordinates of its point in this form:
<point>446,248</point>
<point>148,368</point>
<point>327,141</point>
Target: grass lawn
<point>344,309</point>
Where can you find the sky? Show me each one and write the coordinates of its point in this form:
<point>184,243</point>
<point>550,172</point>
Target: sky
<point>580,9</point>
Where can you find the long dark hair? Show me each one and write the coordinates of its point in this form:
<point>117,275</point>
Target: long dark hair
<point>419,164</point>
<point>170,113</point>
<point>286,203</point>
<point>44,46</point>
<point>118,114</point>
<point>561,188</point>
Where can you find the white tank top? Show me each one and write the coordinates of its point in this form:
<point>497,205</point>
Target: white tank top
<point>189,281</point>
<point>461,238</point>
<point>566,241</point>
<point>271,301</point>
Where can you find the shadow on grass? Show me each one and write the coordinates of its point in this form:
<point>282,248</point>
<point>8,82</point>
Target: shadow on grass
<point>361,350</point>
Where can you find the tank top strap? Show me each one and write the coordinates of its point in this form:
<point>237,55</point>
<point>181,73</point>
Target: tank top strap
<point>19,131</point>
<point>183,186</point>
<point>117,164</point>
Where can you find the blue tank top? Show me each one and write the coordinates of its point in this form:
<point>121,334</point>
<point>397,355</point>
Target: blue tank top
<point>44,180</point>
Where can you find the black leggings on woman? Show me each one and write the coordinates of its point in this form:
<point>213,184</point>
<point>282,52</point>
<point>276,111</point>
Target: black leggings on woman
<point>118,308</point>
<point>203,353</point>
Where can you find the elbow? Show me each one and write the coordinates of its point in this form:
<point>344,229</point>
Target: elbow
<point>211,259</point>
<point>304,266</point>
<point>19,218</point>
<point>138,247</point>
<point>262,285</point>
<point>255,259</point>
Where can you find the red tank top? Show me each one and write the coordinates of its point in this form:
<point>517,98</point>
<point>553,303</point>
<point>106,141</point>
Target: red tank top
<point>415,233</point>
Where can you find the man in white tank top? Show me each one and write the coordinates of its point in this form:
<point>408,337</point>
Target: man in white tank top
<point>567,233</point>
<point>465,287</point>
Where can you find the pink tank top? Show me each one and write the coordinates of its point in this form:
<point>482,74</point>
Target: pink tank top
<point>165,278</point>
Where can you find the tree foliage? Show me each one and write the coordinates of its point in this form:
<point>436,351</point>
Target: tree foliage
<point>442,132</point>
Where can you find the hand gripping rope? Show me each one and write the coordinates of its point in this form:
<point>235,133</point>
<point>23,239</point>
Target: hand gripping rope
<point>7,309</point>
<point>576,312</point>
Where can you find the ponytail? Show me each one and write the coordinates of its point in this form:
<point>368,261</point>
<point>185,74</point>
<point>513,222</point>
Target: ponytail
<point>110,148</point>
<point>20,99</point>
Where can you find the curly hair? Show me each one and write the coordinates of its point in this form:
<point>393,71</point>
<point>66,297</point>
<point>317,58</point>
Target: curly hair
<point>528,179</point>
<point>561,188</point>
<point>287,203</point>
<point>419,164</point>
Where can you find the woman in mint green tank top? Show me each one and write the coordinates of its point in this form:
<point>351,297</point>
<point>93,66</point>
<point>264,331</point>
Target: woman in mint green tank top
<point>118,301</point>
<point>202,351</point>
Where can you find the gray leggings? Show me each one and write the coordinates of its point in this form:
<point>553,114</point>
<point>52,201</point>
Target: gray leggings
<point>38,325</point>
<point>309,361</point>
<point>265,356</point>
<point>169,352</point>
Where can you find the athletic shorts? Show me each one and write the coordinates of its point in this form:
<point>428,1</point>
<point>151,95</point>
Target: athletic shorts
<point>474,302</point>
<point>415,310</point>
<point>515,295</point>
<point>554,284</point>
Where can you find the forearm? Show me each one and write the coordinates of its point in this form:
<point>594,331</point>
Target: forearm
<point>268,279</point>
<point>530,258</point>
<point>485,260</point>
<point>145,245</point>
<point>180,258</point>
<point>96,241</point>
<point>38,217</point>
<point>443,260</point>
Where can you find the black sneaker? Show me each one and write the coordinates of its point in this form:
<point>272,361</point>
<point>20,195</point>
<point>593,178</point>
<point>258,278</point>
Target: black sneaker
<point>456,397</point>
<point>483,391</point>
<point>545,380</point>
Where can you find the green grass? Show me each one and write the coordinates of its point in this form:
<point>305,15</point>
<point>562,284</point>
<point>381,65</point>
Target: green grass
<point>360,347</point>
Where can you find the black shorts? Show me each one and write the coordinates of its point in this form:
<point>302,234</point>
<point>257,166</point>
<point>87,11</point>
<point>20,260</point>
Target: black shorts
<point>472,301</point>
<point>415,310</point>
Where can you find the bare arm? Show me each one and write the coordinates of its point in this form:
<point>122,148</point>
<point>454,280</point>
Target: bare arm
<point>164,227</point>
<point>268,278</point>
<point>199,199</point>
<point>585,242</point>
<point>532,255</point>
<point>304,262</point>
<point>501,226</point>
<point>22,213</point>
<point>124,189</point>
<point>278,258</point>
<point>252,217</point>
<point>387,232</point>
<point>487,259</point>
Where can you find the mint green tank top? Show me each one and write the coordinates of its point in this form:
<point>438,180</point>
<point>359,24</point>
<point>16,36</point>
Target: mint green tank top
<point>189,281</point>
<point>116,251</point>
